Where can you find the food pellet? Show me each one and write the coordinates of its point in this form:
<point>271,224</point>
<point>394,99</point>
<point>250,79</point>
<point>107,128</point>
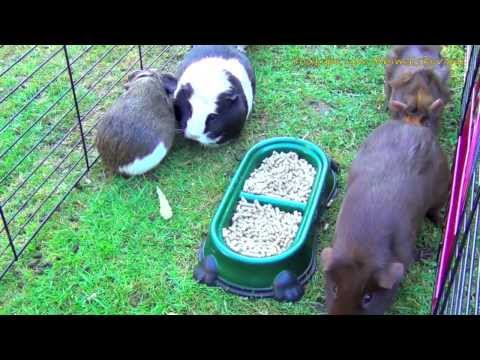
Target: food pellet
<point>282,175</point>
<point>263,232</point>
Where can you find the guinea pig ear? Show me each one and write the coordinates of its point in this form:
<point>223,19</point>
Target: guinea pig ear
<point>132,75</point>
<point>437,106</point>
<point>326,257</point>
<point>231,97</point>
<point>395,105</point>
<point>391,275</point>
<point>170,83</point>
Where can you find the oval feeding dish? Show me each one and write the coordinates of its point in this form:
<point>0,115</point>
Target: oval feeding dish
<point>280,276</point>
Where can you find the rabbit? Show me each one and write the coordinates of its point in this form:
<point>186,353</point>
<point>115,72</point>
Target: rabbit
<point>214,93</point>
<point>137,132</point>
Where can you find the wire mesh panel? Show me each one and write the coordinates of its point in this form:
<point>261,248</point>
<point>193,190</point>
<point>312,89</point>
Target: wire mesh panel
<point>51,100</point>
<point>457,289</point>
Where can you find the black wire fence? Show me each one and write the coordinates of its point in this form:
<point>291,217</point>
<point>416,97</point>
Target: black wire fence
<point>460,295</point>
<point>51,100</point>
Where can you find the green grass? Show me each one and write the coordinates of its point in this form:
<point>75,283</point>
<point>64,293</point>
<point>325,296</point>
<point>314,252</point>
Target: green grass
<point>52,117</point>
<point>112,253</point>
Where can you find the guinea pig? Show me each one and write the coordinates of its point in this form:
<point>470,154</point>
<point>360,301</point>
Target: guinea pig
<point>138,130</point>
<point>416,84</point>
<point>242,48</point>
<point>214,94</point>
<point>399,176</point>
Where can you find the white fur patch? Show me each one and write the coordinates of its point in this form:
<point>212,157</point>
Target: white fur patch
<point>208,79</point>
<point>141,166</point>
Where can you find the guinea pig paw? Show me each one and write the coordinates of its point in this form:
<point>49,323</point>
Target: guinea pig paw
<point>335,165</point>
<point>206,272</point>
<point>287,288</point>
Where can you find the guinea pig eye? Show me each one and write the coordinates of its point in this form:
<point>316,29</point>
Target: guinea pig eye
<point>210,118</point>
<point>367,298</point>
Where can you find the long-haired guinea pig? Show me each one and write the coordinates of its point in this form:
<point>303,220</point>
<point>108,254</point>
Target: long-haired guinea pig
<point>399,177</point>
<point>416,84</point>
<point>214,94</point>
<point>137,132</point>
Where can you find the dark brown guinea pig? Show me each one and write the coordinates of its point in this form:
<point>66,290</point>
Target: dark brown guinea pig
<point>399,176</point>
<point>137,132</point>
<point>416,84</point>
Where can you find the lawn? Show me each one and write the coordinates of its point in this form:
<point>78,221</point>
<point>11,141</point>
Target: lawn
<point>110,251</point>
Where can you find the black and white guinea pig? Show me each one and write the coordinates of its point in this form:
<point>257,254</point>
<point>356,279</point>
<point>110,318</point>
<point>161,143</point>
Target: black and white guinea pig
<point>214,93</point>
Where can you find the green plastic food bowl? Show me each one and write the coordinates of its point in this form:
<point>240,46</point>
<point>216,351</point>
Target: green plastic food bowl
<point>281,276</point>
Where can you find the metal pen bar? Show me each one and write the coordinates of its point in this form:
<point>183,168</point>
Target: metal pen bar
<point>55,103</point>
<point>477,292</point>
<point>103,75</point>
<point>104,55</point>
<point>5,249</point>
<point>10,147</point>
<point>23,56</point>
<point>148,49</point>
<point>456,283</point>
<point>469,83</point>
<point>7,231</point>
<point>49,215</point>
<point>456,263</point>
<point>37,94</point>
<point>140,56</point>
<point>158,56</point>
<point>44,201</point>
<point>59,99</point>
<point>79,119</point>
<point>7,269</point>
<point>30,76</point>
<point>51,130</point>
<point>37,189</point>
<point>108,92</point>
<point>169,60</point>
<point>453,282</point>
<point>473,247</point>
<point>65,167</point>
<point>466,254</point>
<point>85,134</point>
<point>102,98</point>
<point>95,160</point>
<point>33,149</point>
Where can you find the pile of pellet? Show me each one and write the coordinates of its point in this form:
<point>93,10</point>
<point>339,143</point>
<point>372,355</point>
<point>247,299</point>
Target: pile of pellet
<point>283,175</point>
<point>261,230</point>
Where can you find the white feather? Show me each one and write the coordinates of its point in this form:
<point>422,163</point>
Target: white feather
<point>165,209</point>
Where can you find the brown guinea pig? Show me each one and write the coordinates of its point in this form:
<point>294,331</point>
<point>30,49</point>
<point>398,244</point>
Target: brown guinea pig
<point>137,132</point>
<point>416,84</point>
<point>399,176</point>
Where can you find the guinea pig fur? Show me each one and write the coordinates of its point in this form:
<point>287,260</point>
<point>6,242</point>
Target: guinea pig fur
<point>416,84</point>
<point>137,132</point>
<point>215,93</point>
<point>399,177</point>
